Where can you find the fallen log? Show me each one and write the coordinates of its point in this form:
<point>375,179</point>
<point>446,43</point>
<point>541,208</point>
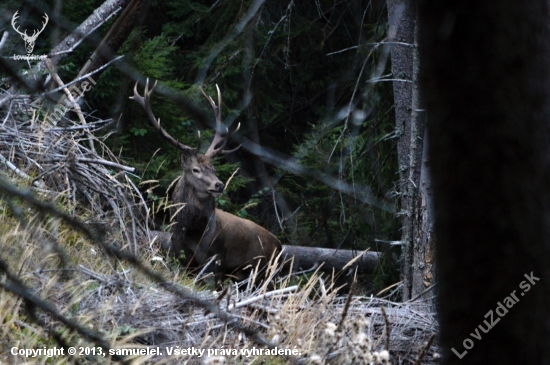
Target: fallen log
<point>308,257</point>
<point>331,259</point>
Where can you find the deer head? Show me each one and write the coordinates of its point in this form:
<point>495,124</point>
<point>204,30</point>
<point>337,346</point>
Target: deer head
<point>198,171</point>
<point>29,40</point>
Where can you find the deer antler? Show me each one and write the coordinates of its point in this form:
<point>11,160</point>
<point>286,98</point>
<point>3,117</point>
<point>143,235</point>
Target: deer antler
<point>222,132</point>
<point>44,23</point>
<point>13,19</point>
<point>35,32</point>
<point>144,101</point>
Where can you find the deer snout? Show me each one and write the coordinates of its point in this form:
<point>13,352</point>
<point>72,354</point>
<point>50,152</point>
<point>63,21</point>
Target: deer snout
<point>216,188</point>
<point>219,187</point>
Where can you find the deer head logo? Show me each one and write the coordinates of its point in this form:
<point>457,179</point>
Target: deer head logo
<point>29,40</point>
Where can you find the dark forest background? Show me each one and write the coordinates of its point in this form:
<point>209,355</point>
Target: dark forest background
<point>307,81</point>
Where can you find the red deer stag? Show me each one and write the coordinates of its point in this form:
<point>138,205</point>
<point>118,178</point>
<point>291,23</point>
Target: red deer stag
<point>201,230</point>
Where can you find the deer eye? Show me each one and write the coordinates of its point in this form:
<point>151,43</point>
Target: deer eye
<point>196,170</point>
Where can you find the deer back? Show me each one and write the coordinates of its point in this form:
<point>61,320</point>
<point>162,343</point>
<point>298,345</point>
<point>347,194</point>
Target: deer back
<point>246,243</point>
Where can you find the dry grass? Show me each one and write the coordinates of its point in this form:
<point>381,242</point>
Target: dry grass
<point>130,310</point>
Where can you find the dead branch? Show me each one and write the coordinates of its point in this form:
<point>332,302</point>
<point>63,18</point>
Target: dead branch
<point>117,34</point>
<point>81,78</point>
<point>75,105</point>
<point>54,160</point>
<point>99,16</point>
<point>4,39</point>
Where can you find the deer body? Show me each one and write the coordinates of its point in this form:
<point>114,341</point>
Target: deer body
<point>200,230</point>
<point>235,234</point>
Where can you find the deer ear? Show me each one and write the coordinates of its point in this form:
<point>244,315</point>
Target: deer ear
<point>184,159</point>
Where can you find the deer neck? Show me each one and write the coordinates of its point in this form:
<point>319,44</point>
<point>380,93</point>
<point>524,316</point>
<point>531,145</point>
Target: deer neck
<point>197,213</point>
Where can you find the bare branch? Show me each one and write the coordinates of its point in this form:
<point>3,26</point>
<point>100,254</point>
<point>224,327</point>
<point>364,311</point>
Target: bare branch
<point>4,39</point>
<point>73,47</point>
<point>98,161</point>
<point>20,173</point>
<point>71,99</point>
<point>98,17</point>
<point>63,86</point>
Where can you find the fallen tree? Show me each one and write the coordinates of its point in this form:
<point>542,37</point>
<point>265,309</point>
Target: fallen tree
<point>331,259</point>
<point>307,257</point>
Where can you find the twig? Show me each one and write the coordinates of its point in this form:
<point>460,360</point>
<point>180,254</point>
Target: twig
<point>77,127</point>
<point>373,44</point>
<point>134,230</point>
<point>421,294</point>
<point>292,214</point>
<point>323,289</point>
<point>276,212</point>
<point>375,80</point>
<point>262,296</point>
<point>198,277</point>
<point>424,350</point>
<point>57,79</point>
<point>10,98</point>
<point>346,306</point>
<point>313,268</point>
<point>96,161</point>
<point>264,308</point>
<point>64,86</point>
<point>143,203</point>
<point>7,114</point>
<point>92,274</point>
<point>387,322</point>
<point>20,173</point>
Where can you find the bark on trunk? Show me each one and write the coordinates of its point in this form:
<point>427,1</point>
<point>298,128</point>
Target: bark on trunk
<point>410,125</point>
<point>423,277</point>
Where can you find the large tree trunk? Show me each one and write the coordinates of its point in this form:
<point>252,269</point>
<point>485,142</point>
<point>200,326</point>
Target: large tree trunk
<point>485,82</point>
<point>416,268</point>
